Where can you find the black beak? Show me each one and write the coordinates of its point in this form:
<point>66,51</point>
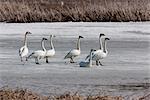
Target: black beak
<point>101,34</point>
<point>28,33</point>
<point>81,37</point>
<point>107,38</point>
<point>44,39</point>
<point>93,50</point>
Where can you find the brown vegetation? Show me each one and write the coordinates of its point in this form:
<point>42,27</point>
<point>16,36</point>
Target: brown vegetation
<point>74,10</point>
<point>23,94</point>
<point>20,94</point>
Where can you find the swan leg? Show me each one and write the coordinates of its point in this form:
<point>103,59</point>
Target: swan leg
<point>71,60</point>
<point>97,63</point>
<point>26,58</point>
<point>21,59</point>
<point>100,63</point>
<point>47,60</point>
<point>37,60</point>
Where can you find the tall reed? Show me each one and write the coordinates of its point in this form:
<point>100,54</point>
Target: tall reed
<point>74,10</point>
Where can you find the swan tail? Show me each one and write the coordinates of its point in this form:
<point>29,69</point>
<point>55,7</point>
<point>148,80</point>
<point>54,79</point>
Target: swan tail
<point>67,56</point>
<point>87,57</point>
<point>30,55</point>
<point>21,51</point>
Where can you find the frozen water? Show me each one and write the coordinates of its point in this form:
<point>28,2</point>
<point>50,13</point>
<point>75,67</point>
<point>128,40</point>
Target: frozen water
<point>126,70</point>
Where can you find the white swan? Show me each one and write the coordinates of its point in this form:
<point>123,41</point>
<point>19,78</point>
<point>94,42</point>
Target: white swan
<point>97,54</point>
<point>103,54</point>
<point>75,52</point>
<point>23,51</point>
<point>51,52</point>
<point>39,53</point>
<point>89,63</point>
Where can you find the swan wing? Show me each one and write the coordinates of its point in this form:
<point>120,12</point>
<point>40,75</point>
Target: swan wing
<point>38,53</point>
<point>50,53</point>
<point>21,50</point>
<point>72,53</point>
<point>97,55</point>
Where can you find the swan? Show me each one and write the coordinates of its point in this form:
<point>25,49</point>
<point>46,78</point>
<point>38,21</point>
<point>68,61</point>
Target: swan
<point>38,54</point>
<point>74,52</point>
<point>23,51</point>
<point>103,54</point>
<point>97,54</point>
<point>51,52</point>
<point>89,63</point>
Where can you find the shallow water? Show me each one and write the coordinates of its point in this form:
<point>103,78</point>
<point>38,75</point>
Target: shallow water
<point>126,70</point>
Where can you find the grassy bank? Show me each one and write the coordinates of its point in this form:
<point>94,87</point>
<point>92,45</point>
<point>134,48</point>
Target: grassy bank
<point>74,10</point>
<point>23,94</point>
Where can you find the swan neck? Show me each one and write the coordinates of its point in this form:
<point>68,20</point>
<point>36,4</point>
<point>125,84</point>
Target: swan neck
<point>105,49</point>
<point>100,43</point>
<point>78,44</point>
<point>51,43</point>
<point>43,45</point>
<point>25,40</point>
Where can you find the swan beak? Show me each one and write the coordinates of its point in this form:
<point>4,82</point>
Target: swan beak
<point>28,33</point>
<point>81,37</point>
<point>107,38</point>
<point>44,39</point>
<point>101,34</point>
<point>93,50</point>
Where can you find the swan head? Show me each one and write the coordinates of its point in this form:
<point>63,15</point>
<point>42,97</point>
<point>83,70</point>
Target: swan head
<point>28,32</point>
<point>44,39</point>
<point>93,50</point>
<point>52,36</point>
<point>81,37</point>
<point>107,38</point>
<point>101,34</point>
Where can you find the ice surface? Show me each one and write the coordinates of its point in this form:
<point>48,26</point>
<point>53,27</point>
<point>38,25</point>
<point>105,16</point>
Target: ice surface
<point>126,70</point>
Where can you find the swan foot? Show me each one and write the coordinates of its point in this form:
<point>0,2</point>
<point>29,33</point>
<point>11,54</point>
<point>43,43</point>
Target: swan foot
<point>23,63</point>
<point>71,60</point>
<point>101,63</point>
<point>47,60</point>
<point>21,59</point>
<point>37,63</point>
<point>26,58</point>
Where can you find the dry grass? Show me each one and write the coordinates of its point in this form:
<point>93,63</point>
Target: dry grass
<point>23,94</point>
<point>74,10</point>
<point>20,94</point>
